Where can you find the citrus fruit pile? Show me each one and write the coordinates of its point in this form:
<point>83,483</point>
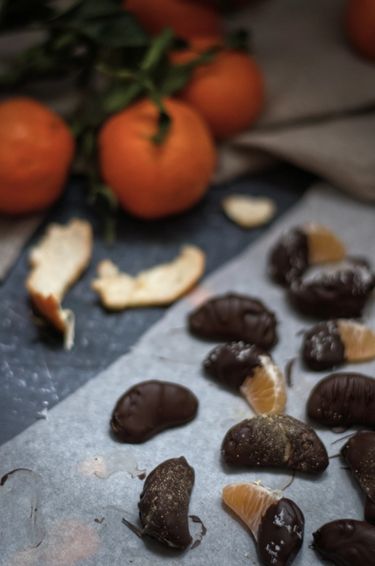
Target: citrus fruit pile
<point>152,178</point>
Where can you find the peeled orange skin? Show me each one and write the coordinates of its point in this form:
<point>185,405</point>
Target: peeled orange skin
<point>36,150</point>
<point>187,19</point>
<point>228,92</point>
<point>150,180</point>
<point>360,26</point>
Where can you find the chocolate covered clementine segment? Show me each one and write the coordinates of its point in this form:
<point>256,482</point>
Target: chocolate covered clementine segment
<point>150,407</point>
<point>359,454</point>
<point>274,441</point>
<point>249,501</point>
<point>233,362</point>
<point>346,542</point>
<point>276,523</point>
<point>234,317</point>
<point>330,344</point>
<point>343,399</point>
<point>301,247</point>
<point>164,503</point>
<point>340,292</point>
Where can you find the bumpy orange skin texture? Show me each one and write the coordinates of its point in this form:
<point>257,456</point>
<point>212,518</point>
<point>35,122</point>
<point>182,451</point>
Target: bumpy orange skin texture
<point>36,150</point>
<point>360,26</point>
<point>228,93</point>
<point>153,181</point>
<point>187,19</point>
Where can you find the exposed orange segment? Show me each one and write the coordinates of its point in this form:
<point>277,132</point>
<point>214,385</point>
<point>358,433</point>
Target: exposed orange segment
<point>324,245</point>
<point>358,339</point>
<point>249,501</point>
<point>265,390</point>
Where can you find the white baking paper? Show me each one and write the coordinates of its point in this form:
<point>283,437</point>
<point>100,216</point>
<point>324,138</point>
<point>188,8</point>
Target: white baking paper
<point>68,510</point>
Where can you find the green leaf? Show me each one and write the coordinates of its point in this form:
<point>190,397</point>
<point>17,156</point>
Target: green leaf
<point>157,50</point>
<point>120,97</point>
<point>178,76</point>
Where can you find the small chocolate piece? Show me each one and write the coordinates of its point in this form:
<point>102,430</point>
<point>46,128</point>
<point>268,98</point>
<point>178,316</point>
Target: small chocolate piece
<point>341,293</point>
<point>280,534</point>
<point>235,317</point>
<point>343,400</point>
<point>233,362</point>
<point>346,542</point>
<point>274,441</point>
<point>359,454</point>
<point>150,407</point>
<point>164,503</point>
<point>322,346</point>
<point>289,259</point>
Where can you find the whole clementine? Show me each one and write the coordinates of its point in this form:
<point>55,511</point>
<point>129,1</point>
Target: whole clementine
<point>228,92</point>
<point>150,180</point>
<point>36,150</point>
<point>187,19</point>
<point>360,26</point>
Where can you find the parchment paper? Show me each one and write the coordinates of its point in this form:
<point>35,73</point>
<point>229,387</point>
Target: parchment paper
<point>81,482</point>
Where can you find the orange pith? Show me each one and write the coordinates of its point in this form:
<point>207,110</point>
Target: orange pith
<point>249,501</point>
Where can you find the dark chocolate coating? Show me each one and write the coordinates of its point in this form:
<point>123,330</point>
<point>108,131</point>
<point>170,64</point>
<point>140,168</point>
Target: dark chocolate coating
<point>233,362</point>
<point>280,534</point>
<point>322,346</point>
<point>164,503</point>
<point>342,293</point>
<point>343,399</point>
<point>359,454</point>
<point>274,441</point>
<point>346,542</point>
<point>289,259</point>
<point>370,511</point>
<point>150,407</point>
<point>234,317</point>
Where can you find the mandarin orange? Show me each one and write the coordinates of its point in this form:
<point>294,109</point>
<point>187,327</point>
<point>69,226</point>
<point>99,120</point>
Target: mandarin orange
<point>36,150</point>
<point>150,180</point>
<point>228,92</point>
<point>360,26</point>
<point>187,19</point>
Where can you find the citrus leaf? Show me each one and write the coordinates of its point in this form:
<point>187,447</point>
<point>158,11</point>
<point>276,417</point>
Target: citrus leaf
<point>120,97</point>
<point>157,50</point>
<point>178,75</point>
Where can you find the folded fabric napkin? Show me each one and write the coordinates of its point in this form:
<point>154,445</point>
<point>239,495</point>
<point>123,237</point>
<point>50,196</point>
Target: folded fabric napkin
<point>320,112</point>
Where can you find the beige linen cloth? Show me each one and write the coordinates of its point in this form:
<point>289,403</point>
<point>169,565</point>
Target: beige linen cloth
<point>320,112</point>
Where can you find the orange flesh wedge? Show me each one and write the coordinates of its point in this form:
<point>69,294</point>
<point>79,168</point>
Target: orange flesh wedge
<point>324,245</point>
<point>249,501</point>
<point>359,341</point>
<point>265,389</point>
